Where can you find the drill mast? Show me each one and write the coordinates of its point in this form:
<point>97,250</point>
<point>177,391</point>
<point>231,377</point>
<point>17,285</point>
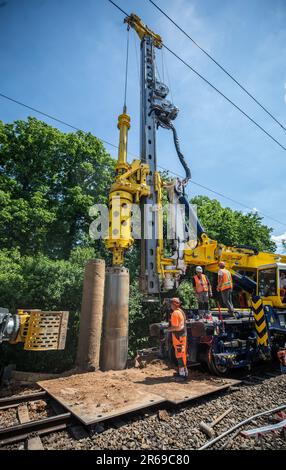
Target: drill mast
<point>155,110</point>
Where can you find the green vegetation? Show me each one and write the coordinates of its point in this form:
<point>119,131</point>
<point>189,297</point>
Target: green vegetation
<point>48,182</point>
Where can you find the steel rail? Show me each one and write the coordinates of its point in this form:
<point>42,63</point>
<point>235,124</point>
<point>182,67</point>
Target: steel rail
<point>9,402</point>
<point>20,432</point>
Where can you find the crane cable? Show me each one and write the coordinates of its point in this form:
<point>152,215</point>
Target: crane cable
<point>126,70</point>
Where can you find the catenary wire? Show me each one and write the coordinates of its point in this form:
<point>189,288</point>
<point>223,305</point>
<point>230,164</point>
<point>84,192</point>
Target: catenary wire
<point>225,97</point>
<point>223,196</point>
<point>116,146</point>
<point>220,66</point>
<point>131,154</point>
<point>53,118</point>
<point>214,88</point>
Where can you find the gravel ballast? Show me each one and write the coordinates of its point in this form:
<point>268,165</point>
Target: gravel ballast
<point>178,427</point>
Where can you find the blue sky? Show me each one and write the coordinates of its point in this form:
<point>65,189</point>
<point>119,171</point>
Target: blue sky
<point>66,57</point>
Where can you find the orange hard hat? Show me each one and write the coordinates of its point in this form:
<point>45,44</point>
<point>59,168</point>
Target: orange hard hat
<point>176,301</point>
<point>221,264</point>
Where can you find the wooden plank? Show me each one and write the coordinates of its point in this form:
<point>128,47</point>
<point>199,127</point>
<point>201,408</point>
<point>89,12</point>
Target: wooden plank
<point>32,377</point>
<point>23,413</point>
<point>35,443</point>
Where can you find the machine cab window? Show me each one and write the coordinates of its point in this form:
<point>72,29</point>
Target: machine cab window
<point>272,281</point>
<point>282,284</point>
<point>267,282</point>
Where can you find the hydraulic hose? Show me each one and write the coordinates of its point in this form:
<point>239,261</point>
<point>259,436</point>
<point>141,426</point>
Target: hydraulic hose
<point>180,155</point>
<point>166,124</point>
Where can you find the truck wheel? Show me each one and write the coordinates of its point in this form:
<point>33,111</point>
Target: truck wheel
<point>216,369</point>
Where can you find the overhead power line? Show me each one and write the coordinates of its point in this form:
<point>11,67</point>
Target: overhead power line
<point>51,117</point>
<point>225,97</point>
<point>219,65</point>
<point>215,88</point>
<point>224,196</point>
<point>133,155</point>
<point>118,7</point>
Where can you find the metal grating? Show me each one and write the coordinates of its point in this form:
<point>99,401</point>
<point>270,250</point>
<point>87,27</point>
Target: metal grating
<point>46,331</point>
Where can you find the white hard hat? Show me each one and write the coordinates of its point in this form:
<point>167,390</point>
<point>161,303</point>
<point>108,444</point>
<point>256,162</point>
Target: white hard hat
<point>199,269</point>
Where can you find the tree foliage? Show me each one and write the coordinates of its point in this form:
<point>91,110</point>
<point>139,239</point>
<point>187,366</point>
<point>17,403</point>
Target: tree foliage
<point>48,182</point>
<point>47,284</point>
<point>233,227</point>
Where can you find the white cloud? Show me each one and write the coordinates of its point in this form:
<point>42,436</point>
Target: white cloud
<point>278,239</point>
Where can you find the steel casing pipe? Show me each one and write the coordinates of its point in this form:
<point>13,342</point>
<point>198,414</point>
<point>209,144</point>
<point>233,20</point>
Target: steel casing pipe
<point>114,346</point>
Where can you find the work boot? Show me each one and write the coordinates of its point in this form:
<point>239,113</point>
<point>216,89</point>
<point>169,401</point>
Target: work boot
<point>182,375</point>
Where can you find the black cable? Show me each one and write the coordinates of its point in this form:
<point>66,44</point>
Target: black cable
<point>225,97</point>
<point>219,65</point>
<point>223,196</point>
<point>133,155</point>
<point>118,7</point>
<point>216,89</point>
<point>180,155</point>
<point>126,69</point>
<point>51,117</point>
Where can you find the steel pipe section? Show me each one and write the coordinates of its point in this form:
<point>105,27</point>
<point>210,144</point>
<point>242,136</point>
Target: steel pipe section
<point>114,346</point>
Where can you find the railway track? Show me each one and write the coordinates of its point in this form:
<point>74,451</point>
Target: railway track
<point>60,419</point>
<point>28,428</point>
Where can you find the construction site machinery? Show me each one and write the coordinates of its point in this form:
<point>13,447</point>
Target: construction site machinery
<point>259,329</point>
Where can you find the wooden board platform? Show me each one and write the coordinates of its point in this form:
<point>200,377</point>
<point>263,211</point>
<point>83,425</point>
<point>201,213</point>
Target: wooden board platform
<point>96,396</point>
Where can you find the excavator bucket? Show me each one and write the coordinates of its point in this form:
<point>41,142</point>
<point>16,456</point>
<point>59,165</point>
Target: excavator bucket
<point>43,331</point>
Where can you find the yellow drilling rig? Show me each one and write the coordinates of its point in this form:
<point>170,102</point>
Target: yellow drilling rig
<point>260,328</point>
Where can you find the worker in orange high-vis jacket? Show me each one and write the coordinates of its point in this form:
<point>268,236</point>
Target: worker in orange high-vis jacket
<point>178,328</point>
<point>203,291</point>
<point>225,286</point>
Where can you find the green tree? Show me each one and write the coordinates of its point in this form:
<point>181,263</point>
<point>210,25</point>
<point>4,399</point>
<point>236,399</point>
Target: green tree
<point>233,227</point>
<point>49,180</point>
<point>47,284</point>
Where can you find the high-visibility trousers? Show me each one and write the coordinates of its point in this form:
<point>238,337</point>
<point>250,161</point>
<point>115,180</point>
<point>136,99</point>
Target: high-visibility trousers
<point>180,347</point>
